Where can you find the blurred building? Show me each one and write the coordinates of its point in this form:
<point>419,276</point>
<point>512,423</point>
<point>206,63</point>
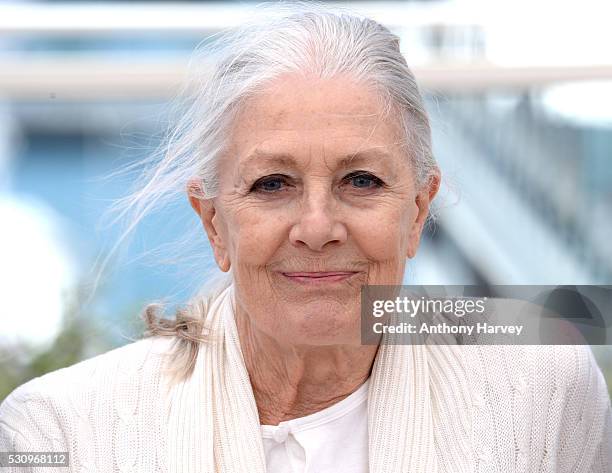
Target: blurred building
<point>522,132</point>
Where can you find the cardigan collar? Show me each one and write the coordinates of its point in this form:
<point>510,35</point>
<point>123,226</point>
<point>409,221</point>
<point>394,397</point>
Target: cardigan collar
<point>417,415</point>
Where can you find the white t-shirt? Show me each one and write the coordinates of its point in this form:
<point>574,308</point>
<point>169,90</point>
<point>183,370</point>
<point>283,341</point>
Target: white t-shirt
<point>334,440</point>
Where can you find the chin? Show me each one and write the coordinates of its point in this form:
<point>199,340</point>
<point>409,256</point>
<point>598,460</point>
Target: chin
<point>324,326</point>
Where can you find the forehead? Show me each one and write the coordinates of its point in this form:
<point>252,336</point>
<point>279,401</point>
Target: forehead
<point>298,114</point>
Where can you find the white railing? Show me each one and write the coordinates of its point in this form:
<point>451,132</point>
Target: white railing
<point>100,18</point>
<point>67,77</point>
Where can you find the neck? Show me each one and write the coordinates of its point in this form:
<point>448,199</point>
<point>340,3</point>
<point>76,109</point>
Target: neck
<point>291,381</point>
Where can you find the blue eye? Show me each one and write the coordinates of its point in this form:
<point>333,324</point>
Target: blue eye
<point>364,180</point>
<point>269,184</point>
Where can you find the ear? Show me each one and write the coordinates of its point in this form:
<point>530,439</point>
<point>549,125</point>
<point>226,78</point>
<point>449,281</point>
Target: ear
<point>422,200</point>
<point>206,210</point>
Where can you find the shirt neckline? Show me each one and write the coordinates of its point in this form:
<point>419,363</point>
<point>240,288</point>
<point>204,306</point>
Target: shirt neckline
<point>329,414</point>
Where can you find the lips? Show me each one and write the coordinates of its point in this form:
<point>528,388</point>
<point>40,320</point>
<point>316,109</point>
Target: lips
<point>319,276</point>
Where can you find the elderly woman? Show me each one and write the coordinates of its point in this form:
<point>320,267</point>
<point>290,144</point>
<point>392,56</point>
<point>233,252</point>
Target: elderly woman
<point>306,155</point>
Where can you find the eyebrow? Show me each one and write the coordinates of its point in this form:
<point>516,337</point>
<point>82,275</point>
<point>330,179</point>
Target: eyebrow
<point>286,159</point>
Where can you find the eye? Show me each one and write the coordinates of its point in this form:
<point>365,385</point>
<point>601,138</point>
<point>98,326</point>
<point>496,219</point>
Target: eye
<point>363,180</point>
<point>269,184</point>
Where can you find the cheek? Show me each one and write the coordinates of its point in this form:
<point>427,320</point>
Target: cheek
<point>383,235</point>
<point>256,237</point>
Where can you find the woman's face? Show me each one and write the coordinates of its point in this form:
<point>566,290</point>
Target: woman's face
<point>316,199</point>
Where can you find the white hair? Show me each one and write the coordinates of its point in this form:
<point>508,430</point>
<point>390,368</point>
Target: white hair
<point>228,68</point>
<point>301,37</point>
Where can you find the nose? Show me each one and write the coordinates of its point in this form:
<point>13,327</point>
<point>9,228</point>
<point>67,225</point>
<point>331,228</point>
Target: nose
<point>317,225</point>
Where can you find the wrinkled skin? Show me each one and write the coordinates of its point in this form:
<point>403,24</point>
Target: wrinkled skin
<point>313,180</point>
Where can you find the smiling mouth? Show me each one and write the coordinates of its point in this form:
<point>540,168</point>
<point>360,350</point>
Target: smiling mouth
<point>319,277</point>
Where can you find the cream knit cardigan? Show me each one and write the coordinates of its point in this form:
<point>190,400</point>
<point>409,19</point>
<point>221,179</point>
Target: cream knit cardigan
<point>440,408</point>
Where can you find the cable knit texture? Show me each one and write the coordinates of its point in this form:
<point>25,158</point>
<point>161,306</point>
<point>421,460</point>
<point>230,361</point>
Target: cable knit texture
<point>443,408</point>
